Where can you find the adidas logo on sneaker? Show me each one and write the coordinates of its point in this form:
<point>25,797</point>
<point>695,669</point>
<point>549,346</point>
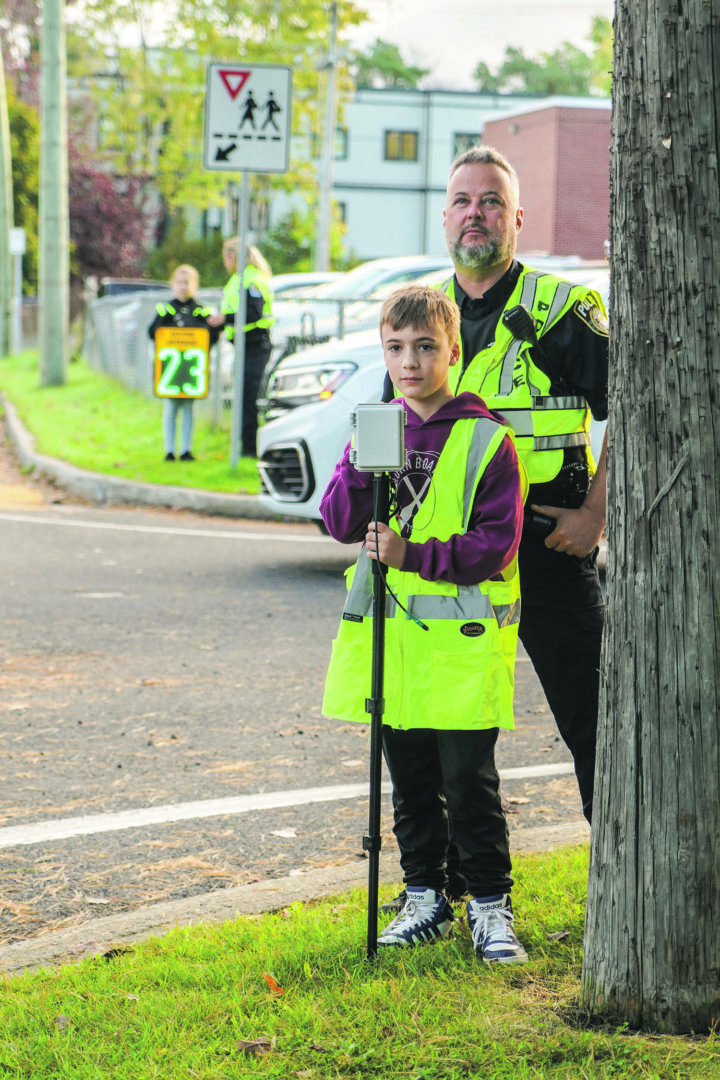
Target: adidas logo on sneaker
<point>490,920</point>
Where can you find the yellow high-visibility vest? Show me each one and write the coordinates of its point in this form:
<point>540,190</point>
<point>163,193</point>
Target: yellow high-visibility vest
<point>504,375</point>
<point>459,674</point>
<point>231,299</point>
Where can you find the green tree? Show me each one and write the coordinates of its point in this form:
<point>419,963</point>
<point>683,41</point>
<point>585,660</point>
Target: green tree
<point>567,70</point>
<point>383,66</point>
<point>204,253</point>
<point>25,151</point>
<point>148,93</point>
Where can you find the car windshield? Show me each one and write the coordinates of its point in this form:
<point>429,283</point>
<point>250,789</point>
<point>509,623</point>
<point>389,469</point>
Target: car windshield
<point>360,282</point>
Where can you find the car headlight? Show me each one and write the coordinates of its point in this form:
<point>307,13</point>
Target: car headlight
<point>289,387</point>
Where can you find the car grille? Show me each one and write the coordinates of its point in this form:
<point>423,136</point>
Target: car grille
<point>286,472</point>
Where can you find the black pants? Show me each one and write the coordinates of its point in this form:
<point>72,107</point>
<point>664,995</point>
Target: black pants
<point>436,773</point>
<point>257,354</point>
<point>561,628</point>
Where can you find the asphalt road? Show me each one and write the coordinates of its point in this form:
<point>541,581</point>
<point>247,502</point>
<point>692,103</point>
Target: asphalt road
<point>155,659</point>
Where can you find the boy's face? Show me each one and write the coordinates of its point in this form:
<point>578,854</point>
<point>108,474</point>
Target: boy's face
<point>182,285</point>
<point>419,359</point>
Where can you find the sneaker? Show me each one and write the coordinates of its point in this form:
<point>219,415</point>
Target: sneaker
<point>187,456</point>
<point>426,916</point>
<point>456,895</point>
<point>490,920</point>
<point>394,907</point>
<point>170,456</point>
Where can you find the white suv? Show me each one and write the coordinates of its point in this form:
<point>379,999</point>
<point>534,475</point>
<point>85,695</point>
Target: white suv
<point>309,398</point>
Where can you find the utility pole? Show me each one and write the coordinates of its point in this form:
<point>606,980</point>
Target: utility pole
<point>6,218</point>
<point>322,250</point>
<point>54,291</point>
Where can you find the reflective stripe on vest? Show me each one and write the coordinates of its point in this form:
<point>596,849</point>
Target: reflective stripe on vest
<point>231,300</point>
<point>505,375</point>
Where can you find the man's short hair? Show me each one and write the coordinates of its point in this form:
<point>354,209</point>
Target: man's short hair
<point>485,155</point>
<point>191,272</point>
<point>419,305</point>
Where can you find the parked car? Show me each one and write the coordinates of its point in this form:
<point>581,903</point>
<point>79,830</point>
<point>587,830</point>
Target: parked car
<point>320,316</point>
<point>300,285</point>
<point>110,286</point>
<point>309,398</point>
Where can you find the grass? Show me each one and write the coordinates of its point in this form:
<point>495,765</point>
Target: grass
<point>291,995</point>
<point>94,422</point>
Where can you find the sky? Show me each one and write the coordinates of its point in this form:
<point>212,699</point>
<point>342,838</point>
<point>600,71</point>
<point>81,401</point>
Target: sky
<point>451,36</point>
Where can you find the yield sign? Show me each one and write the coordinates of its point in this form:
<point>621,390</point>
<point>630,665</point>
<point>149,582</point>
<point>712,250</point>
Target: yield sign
<point>234,80</point>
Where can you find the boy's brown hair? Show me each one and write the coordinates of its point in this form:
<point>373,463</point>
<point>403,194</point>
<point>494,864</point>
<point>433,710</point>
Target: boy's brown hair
<point>419,305</point>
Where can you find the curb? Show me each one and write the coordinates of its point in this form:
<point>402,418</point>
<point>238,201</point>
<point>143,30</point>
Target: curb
<point>74,943</point>
<point>101,489</point>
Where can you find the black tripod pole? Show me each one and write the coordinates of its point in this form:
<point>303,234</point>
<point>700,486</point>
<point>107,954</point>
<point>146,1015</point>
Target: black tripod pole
<point>375,705</point>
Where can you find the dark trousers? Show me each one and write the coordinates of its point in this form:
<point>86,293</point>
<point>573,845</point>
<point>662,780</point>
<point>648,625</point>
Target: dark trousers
<point>441,773</point>
<point>561,628</point>
<point>257,354</point>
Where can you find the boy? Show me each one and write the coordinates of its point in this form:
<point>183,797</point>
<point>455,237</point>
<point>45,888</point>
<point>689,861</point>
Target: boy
<point>450,552</point>
<point>182,310</point>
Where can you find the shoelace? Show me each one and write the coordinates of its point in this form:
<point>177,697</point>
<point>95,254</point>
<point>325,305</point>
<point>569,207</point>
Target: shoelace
<point>491,928</point>
<point>408,914</point>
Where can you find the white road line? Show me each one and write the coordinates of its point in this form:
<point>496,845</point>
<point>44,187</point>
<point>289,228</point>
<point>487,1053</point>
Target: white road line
<point>64,828</point>
<point>167,531</point>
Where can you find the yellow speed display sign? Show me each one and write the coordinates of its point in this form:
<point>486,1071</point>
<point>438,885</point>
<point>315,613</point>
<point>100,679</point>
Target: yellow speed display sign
<point>182,368</point>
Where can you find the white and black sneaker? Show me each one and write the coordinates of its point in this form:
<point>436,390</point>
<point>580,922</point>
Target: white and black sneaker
<point>426,916</point>
<point>490,920</point>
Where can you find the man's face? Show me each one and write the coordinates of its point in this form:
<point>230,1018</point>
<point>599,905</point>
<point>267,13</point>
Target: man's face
<point>481,217</point>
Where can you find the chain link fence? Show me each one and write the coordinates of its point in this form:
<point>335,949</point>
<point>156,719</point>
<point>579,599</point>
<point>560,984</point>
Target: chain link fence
<point>116,342</point>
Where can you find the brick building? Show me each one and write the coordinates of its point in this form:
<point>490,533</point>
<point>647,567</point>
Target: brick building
<point>562,156</point>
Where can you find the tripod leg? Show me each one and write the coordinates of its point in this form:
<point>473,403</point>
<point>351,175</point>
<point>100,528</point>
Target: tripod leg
<point>375,705</point>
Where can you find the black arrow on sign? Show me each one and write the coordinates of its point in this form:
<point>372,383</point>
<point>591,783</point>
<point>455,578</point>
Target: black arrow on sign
<point>222,155</point>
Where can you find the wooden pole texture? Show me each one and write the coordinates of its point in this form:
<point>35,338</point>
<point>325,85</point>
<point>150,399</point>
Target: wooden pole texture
<point>652,942</point>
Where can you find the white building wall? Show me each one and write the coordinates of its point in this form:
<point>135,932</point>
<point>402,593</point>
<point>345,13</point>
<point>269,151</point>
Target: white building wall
<point>395,207</point>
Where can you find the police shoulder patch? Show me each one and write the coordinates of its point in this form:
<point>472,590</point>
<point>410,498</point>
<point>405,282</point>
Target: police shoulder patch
<point>254,291</point>
<point>592,315</point>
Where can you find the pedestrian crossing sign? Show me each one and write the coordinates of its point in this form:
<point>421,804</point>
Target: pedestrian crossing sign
<point>247,117</point>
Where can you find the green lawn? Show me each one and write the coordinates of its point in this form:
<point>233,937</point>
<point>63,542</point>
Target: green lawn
<point>94,422</point>
<point>291,994</point>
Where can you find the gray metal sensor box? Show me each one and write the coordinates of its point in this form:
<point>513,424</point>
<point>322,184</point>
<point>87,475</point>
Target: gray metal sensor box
<point>378,437</point>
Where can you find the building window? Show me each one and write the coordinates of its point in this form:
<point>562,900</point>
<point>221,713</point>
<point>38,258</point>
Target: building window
<point>401,145</point>
<point>341,212</point>
<point>341,144</point>
<point>463,140</point>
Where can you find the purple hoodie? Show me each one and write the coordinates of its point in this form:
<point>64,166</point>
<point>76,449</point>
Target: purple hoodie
<point>495,522</point>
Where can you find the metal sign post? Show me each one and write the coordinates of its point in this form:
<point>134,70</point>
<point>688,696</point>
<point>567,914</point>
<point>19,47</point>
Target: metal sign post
<point>239,340</point>
<point>17,250</point>
<point>246,129</point>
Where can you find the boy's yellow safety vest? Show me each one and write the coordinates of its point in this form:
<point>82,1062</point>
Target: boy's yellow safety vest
<point>459,674</point>
<point>504,375</point>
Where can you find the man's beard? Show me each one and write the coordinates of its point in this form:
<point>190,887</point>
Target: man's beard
<point>479,256</point>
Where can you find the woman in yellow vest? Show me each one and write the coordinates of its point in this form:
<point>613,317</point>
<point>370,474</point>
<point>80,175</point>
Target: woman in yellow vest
<point>258,320</point>
<point>451,627</point>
